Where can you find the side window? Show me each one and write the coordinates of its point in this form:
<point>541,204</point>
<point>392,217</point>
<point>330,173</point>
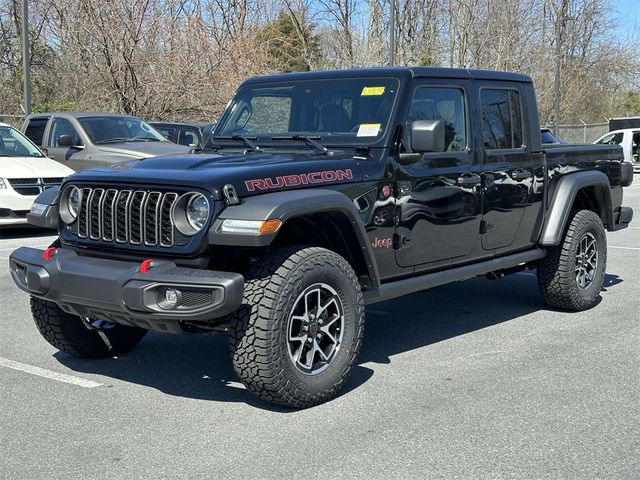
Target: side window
<point>605,140</point>
<point>501,119</point>
<point>617,138</point>
<point>62,126</point>
<point>440,103</point>
<point>35,130</point>
<point>166,132</point>
<point>188,137</point>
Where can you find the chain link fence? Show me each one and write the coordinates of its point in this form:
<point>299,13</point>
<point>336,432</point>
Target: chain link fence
<point>14,120</point>
<point>581,133</point>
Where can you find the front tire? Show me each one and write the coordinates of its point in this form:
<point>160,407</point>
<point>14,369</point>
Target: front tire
<point>572,274</point>
<point>73,335</point>
<point>296,337</point>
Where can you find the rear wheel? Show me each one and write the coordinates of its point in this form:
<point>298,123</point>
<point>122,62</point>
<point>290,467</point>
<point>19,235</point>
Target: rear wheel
<point>572,274</point>
<point>86,338</point>
<point>296,338</point>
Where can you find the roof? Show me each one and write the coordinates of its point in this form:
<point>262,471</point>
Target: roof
<point>80,114</point>
<point>412,72</point>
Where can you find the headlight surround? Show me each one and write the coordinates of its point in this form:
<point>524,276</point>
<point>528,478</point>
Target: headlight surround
<point>191,213</point>
<point>70,204</point>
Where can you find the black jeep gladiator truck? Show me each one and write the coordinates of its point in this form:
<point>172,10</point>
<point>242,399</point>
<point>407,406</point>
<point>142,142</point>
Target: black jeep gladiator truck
<point>317,194</point>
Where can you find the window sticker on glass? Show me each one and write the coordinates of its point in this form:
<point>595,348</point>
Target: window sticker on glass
<point>372,91</point>
<point>368,130</point>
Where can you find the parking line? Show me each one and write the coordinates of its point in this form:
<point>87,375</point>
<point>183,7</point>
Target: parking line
<point>623,248</point>
<point>41,372</point>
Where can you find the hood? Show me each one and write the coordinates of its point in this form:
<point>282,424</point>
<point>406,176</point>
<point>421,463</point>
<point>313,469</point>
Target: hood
<point>143,149</point>
<point>32,167</point>
<point>250,174</point>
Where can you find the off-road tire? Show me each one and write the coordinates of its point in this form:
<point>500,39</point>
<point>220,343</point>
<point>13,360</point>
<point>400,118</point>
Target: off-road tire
<point>557,271</point>
<point>70,334</point>
<point>258,334</point>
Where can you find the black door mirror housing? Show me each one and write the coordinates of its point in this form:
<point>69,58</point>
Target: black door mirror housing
<point>66,141</point>
<point>427,136</point>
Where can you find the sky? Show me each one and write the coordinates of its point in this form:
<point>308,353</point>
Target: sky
<point>629,15</point>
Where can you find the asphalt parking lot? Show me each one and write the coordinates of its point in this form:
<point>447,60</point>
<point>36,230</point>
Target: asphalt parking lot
<point>474,380</point>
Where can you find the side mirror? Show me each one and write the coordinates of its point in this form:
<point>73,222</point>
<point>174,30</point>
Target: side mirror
<point>427,136</point>
<point>65,141</point>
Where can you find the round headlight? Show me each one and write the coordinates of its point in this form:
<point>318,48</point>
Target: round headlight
<point>197,211</point>
<point>70,204</point>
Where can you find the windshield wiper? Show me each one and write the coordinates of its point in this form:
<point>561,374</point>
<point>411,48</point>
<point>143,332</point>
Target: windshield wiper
<point>311,141</point>
<point>112,140</point>
<point>248,141</point>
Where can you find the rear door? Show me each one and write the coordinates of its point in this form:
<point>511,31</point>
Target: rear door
<point>508,168</point>
<point>35,128</point>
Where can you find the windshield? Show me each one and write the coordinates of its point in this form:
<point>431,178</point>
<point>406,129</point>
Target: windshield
<point>15,144</point>
<point>119,129</point>
<point>354,111</point>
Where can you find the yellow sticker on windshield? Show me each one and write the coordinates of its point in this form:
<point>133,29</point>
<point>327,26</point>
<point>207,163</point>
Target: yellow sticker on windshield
<point>368,130</point>
<point>372,91</point>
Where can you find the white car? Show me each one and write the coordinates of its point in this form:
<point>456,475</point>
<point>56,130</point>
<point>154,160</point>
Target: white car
<point>629,140</point>
<point>24,173</point>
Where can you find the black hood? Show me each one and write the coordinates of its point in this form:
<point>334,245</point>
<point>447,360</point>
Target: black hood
<point>250,174</point>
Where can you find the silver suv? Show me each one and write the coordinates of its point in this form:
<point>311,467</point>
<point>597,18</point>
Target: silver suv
<point>82,140</point>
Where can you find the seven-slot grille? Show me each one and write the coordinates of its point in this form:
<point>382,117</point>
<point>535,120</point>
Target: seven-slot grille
<point>134,217</point>
<point>33,186</point>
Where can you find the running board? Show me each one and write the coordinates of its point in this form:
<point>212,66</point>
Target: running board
<point>398,288</point>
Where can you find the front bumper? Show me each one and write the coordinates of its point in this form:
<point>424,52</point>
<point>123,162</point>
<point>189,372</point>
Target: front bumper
<point>117,291</point>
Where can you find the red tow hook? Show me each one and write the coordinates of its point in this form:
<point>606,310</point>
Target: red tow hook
<point>49,253</point>
<point>146,265</point>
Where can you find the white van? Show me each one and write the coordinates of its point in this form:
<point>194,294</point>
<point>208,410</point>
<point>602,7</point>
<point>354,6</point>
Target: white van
<point>25,172</point>
<point>629,140</point>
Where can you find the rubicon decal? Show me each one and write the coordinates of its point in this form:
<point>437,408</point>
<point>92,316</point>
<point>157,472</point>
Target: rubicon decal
<point>326,176</point>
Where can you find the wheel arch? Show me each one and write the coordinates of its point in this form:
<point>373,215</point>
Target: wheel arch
<point>588,190</point>
<point>321,217</point>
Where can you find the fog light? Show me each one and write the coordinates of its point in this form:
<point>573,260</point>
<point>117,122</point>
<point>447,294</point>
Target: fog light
<point>169,298</point>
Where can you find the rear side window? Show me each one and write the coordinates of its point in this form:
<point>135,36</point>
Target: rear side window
<point>35,130</point>
<point>501,119</point>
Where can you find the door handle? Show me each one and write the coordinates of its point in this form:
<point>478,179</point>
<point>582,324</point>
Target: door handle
<point>520,174</point>
<point>468,180</point>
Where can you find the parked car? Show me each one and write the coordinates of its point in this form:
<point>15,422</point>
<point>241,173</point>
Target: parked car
<point>180,133</point>
<point>549,138</point>
<point>320,193</point>
<point>629,140</point>
<point>82,140</point>
<point>24,174</point>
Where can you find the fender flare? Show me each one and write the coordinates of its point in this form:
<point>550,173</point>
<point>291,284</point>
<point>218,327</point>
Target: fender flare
<point>563,197</point>
<point>48,217</point>
<point>288,205</point>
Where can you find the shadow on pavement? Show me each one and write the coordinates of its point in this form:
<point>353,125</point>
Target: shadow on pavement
<point>9,233</point>
<point>199,366</point>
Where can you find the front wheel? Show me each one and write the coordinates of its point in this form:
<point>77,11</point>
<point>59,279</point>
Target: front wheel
<point>572,274</point>
<point>296,337</point>
<point>82,337</point>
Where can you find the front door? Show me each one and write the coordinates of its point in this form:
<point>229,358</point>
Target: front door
<point>439,196</point>
<point>508,168</point>
<point>69,156</point>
